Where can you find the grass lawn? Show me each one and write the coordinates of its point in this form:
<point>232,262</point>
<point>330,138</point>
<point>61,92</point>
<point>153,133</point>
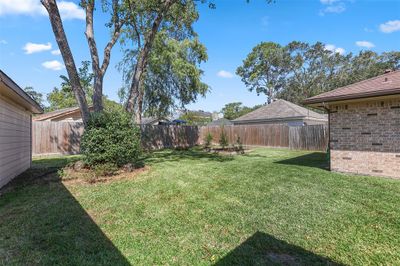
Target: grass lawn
<point>267,207</point>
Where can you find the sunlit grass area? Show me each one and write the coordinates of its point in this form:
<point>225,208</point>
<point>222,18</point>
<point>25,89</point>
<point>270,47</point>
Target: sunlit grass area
<point>268,206</point>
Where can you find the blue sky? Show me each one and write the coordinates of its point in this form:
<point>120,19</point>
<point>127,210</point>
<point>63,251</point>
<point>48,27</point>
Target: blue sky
<point>28,51</point>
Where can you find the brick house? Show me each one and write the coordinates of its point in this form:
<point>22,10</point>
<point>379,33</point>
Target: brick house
<point>364,125</point>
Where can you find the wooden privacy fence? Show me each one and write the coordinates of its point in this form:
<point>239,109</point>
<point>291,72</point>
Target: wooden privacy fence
<point>164,136</point>
<point>56,137</point>
<point>256,135</point>
<point>64,137</point>
<point>313,137</point>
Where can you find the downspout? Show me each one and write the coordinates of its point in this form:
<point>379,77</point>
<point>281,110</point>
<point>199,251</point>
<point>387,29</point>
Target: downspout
<point>329,131</point>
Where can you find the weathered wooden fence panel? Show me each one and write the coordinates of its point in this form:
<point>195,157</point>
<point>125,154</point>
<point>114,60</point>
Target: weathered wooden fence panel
<point>64,137</point>
<point>313,137</point>
<point>165,136</point>
<point>256,135</point>
<point>56,137</point>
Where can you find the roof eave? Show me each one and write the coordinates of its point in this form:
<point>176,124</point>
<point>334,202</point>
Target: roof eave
<point>319,100</point>
<point>34,107</point>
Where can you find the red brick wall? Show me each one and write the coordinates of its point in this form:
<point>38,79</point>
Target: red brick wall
<point>365,137</point>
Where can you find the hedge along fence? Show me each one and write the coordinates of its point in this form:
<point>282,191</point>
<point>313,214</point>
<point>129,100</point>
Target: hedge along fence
<point>64,137</point>
<point>313,137</point>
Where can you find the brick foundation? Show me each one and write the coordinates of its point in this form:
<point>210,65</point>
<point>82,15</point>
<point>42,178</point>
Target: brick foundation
<point>366,162</point>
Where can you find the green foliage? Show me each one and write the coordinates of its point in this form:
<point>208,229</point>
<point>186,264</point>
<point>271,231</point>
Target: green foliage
<point>192,118</point>
<point>64,97</point>
<point>301,70</point>
<point>173,74</point>
<point>265,68</point>
<point>110,138</point>
<point>234,110</point>
<point>208,140</point>
<point>37,96</point>
<point>223,139</point>
<point>239,144</point>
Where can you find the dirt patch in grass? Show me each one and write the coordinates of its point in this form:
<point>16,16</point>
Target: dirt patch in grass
<point>84,175</point>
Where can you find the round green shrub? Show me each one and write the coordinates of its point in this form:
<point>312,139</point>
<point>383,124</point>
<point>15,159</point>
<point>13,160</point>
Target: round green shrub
<point>110,138</point>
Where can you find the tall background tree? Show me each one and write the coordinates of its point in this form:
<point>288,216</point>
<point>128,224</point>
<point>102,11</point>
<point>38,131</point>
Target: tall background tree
<point>236,109</point>
<point>265,69</point>
<point>300,70</point>
<point>161,29</point>
<point>173,77</point>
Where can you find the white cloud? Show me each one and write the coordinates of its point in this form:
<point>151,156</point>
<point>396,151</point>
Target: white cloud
<point>224,74</point>
<point>333,48</point>
<point>56,52</point>
<point>365,44</point>
<point>390,26</point>
<point>31,48</point>
<point>339,8</point>
<point>53,65</point>
<point>27,7</point>
<point>328,2</point>
<point>68,10</point>
<point>3,42</point>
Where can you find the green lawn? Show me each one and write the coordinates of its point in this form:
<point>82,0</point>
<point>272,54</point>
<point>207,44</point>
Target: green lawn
<point>267,207</point>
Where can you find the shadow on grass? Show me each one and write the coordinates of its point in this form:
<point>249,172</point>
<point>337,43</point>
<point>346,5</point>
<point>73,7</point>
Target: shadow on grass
<point>42,223</point>
<point>169,155</point>
<point>264,249</point>
<point>315,159</point>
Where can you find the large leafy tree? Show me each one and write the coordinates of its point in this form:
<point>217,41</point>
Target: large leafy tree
<point>172,78</point>
<point>153,21</point>
<point>265,69</point>
<point>300,70</point>
<point>236,109</point>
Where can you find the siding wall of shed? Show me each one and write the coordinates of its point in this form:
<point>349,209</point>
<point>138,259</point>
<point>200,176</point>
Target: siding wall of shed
<point>15,140</point>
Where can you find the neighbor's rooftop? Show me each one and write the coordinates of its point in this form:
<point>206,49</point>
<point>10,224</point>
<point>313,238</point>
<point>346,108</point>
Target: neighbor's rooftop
<point>280,109</point>
<point>383,85</point>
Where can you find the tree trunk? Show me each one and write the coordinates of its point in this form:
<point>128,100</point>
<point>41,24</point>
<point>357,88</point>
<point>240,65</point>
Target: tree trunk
<point>61,38</point>
<point>98,70</point>
<point>135,98</point>
<point>98,93</point>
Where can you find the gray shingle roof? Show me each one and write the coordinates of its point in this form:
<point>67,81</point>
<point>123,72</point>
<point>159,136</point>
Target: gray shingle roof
<point>280,109</point>
<point>220,122</point>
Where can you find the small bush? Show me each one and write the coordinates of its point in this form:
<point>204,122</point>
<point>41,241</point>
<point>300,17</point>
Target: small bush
<point>110,138</point>
<point>239,144</point>
<point>223,139</point>
<point>207,140</point>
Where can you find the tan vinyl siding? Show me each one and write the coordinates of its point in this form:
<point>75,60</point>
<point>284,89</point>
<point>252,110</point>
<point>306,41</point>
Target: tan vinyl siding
<point>15,140</point>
